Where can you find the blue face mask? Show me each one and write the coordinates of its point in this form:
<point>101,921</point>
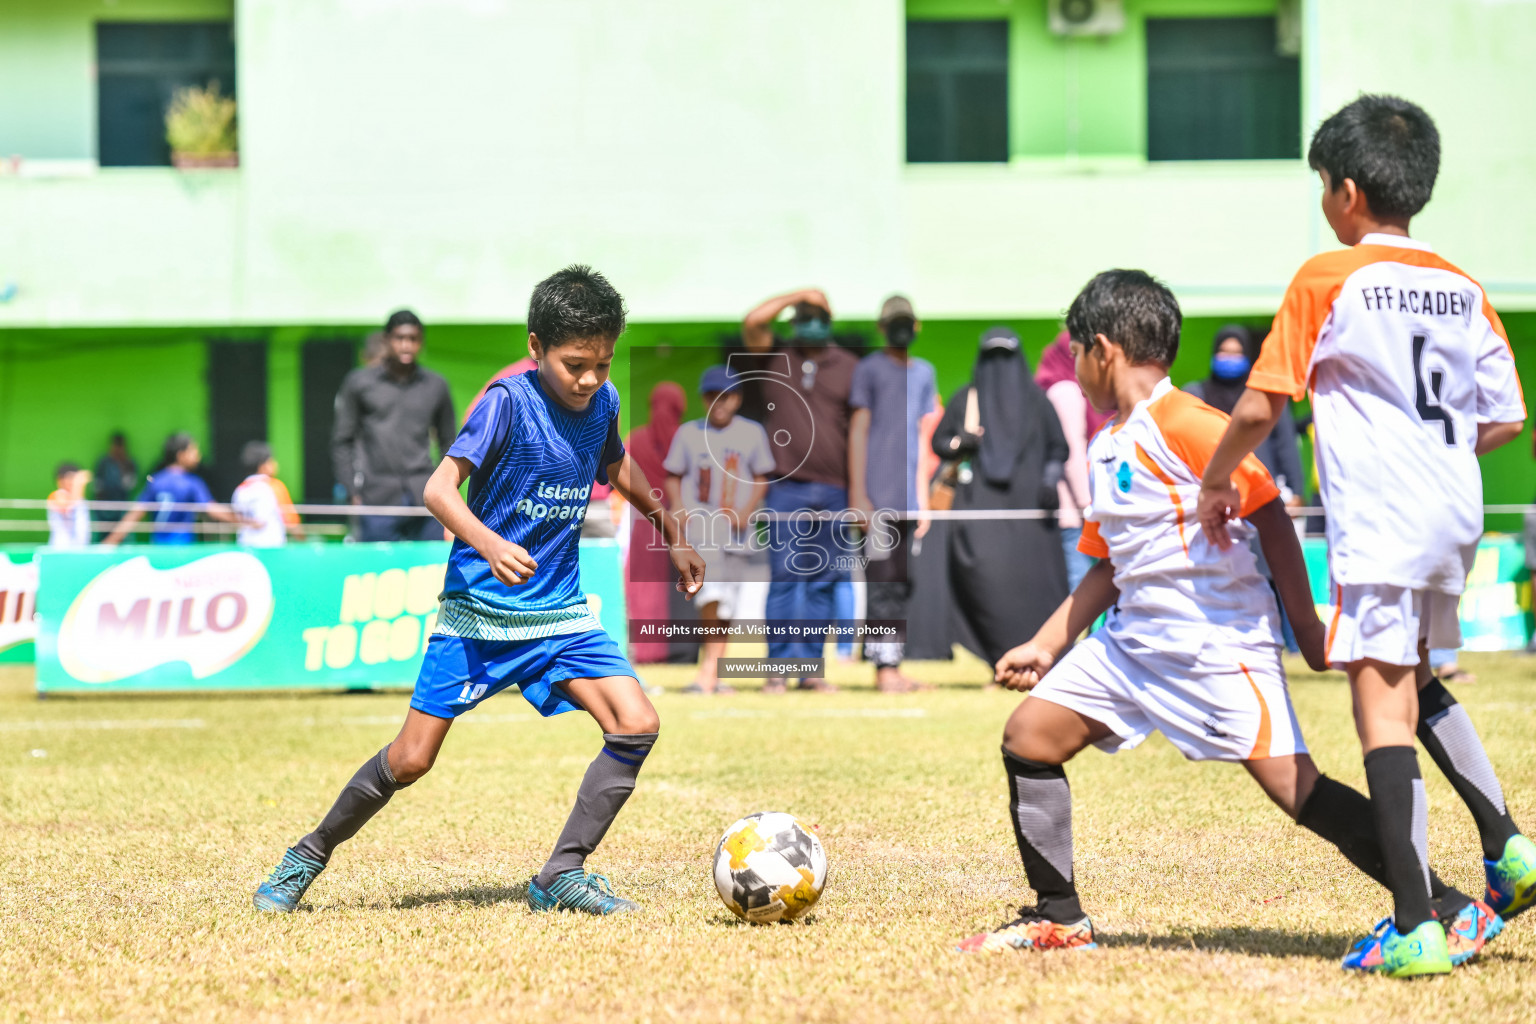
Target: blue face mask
<point>813,329</point>
<point>1229,366</point>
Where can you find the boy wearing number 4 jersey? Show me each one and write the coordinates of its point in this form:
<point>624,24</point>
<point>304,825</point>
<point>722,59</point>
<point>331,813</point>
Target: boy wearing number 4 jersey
<point>1411,378</point>
<point>1190,644</point>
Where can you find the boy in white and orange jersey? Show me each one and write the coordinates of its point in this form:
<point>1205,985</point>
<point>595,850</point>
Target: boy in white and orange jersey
<point>263,501</point>
<point>1190,646</point>
<point>1411,378</point>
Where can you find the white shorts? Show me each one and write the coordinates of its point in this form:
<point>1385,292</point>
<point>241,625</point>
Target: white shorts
<point>725,573</point>
<point>1386,623</point>
<point>1225,703</point>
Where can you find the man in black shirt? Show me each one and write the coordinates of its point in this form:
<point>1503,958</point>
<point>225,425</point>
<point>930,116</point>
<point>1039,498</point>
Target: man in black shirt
<point>386,415</point>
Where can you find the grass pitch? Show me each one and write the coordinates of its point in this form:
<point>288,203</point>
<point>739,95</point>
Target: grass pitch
<point>132,832</point>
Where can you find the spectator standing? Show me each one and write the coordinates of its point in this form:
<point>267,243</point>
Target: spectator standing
<point>387,417</point>
<point>648,572</point>
<point>808,428</point>
<point>1057,376</point>
<point>175,482</point>
<point>892,390</point>
<point>69,521</point>
<point>263,501</point>
<point>1006,576</point>
<point>717,474</point>
<point>116,477</point>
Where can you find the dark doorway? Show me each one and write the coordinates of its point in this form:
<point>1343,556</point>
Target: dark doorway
<point>139,67</point>
<point>237,410</point>
<point>325,364</point>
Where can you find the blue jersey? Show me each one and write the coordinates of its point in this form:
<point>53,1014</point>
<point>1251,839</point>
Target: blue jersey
<point>534,464</point>
<point>174,486</point>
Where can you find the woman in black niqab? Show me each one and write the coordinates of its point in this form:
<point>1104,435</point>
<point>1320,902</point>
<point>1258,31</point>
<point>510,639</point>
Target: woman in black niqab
<point>1006,577</point>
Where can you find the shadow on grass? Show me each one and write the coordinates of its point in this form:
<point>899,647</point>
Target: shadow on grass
<point>1252,941</point>
<point>481,895</point>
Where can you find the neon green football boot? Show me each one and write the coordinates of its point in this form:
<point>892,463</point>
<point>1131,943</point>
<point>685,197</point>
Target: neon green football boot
<point>1512,878</point>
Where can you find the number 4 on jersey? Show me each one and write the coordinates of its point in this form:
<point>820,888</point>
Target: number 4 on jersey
<point>1427,412</point>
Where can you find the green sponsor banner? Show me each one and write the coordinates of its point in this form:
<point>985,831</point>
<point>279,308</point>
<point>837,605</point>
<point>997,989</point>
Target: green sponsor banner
<point>216,617</point>
<point>1495,607</point>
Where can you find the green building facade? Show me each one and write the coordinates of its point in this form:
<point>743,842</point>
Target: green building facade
<point>445,156</point>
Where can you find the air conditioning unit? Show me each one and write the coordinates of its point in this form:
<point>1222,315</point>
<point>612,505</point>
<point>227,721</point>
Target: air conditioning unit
<point>1087,17</point>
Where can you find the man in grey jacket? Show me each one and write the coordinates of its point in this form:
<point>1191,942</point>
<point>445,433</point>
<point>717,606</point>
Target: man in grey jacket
<point>386,419</point>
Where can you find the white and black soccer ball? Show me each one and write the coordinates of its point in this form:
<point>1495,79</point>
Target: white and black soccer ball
<point>770,867</point>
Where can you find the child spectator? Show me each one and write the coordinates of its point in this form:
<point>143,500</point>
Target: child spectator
<point>175,483</point>
<point>716,477</point>
<point>263,501</point>
<point>69,521</point>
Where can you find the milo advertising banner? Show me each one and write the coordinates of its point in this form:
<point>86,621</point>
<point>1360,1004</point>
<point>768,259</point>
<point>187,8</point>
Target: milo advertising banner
<point>18,606</point>
<point>208,617</point>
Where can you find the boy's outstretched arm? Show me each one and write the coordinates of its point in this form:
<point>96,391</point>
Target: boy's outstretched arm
<point>1022,667</point>
<point>1282,550</point>
<point>1254,416</point>
<point>629,480</point>
<point>509,563</point>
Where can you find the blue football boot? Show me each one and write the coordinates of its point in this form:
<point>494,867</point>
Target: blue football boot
<point>281,892</point>
<point>1512,878</point>
<point>578,890</point>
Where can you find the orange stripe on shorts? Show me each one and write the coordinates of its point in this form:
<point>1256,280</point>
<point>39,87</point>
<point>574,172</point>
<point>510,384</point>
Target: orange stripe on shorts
<point>1261,744</point>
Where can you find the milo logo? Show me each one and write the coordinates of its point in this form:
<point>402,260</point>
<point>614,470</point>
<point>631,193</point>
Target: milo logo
<point>133,617</point>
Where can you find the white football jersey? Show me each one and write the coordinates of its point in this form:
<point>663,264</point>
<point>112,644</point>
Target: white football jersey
<point>1404,357</point>
<point>1178,591</point>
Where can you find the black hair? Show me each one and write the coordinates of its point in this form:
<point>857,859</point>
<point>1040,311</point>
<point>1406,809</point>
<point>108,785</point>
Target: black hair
<point>174,446</point>
<point>1390,147</point>
<point>117,437</point>
<point>65,469</point>
<point>1131,308</point>
<point>402,318</point>
<point>254,454</point>
<point>573,303</point>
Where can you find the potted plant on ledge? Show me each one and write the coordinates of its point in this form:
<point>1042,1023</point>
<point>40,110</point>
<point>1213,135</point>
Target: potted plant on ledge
<point>200,127</point>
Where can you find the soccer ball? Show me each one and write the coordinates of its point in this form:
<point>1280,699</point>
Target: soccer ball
<point>769,867</point>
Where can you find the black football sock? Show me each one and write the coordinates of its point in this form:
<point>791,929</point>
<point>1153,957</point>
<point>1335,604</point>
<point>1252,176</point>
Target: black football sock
<point>1402,829</point>
<point>1343,817</point>
<point>1453,744</point>
<point>1041,803</point>
<point>364,796</point>
<point>609,780</point>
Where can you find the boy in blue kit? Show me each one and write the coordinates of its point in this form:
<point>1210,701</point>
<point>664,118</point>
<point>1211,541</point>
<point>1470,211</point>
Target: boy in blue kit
<point>512,609</point>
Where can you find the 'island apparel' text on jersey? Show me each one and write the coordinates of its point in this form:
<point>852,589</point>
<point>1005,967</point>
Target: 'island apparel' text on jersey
<point>535,462</point>
<point>1405,357</point>
<point>1177,590</point>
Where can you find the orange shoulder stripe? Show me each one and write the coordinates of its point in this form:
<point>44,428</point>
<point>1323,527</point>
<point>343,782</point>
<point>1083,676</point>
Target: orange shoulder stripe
<point>1192,430</point>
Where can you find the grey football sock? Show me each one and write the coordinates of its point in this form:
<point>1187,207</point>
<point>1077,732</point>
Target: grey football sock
<point>1451,740</point>
<point>609,780</point>
<point>364,796</point>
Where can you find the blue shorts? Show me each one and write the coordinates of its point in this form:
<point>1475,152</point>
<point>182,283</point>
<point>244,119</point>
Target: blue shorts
<point>458,673</point>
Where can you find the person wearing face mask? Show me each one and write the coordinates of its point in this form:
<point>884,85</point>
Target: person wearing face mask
<point>805,382</point>
<point>892,390</point>
<point>1232,357</point>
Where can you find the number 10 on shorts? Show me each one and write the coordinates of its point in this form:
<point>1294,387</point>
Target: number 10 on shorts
<point>471,693</point>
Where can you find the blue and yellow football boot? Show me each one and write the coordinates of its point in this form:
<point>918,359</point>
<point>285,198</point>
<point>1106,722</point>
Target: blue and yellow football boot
<point>281,892</point>
<point>578,890</point>
<point>1386,951</point>
<point>1512,878</point>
